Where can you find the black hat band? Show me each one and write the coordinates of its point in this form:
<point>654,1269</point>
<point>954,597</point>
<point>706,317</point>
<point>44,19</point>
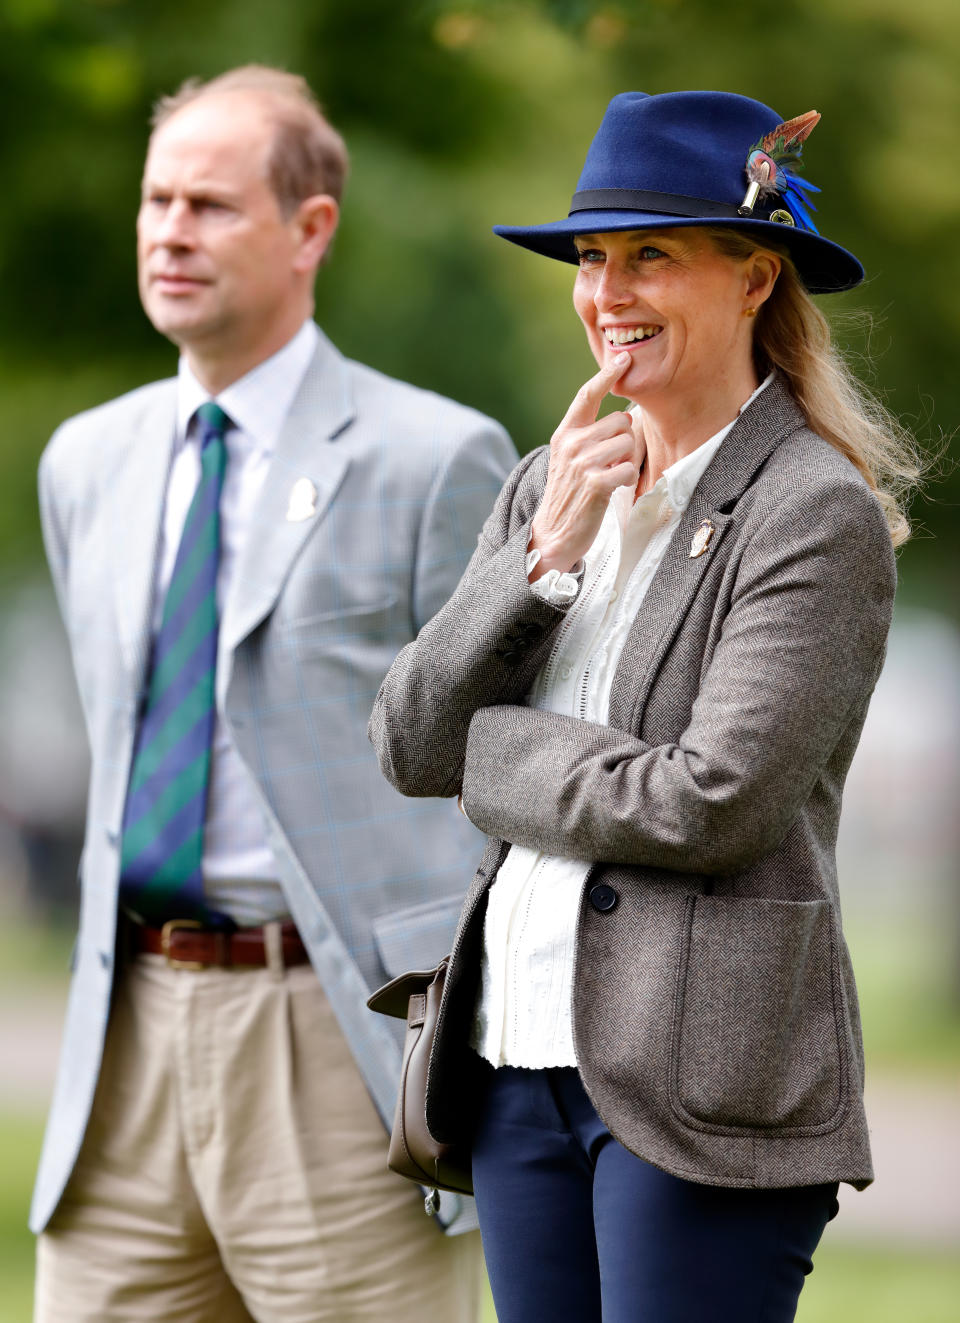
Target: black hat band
<point>631,199</point>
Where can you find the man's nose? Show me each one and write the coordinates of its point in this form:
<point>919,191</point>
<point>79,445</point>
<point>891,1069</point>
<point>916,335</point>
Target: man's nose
<point>175,226</point>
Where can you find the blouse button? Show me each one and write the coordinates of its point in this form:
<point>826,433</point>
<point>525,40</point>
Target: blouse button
<point>566,672</point>
<point>614,595</point>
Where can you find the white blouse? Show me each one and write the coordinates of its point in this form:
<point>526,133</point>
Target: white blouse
<point>523,1012</point>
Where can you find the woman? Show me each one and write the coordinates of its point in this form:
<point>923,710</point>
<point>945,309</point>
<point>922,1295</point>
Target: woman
<point>647,690</point>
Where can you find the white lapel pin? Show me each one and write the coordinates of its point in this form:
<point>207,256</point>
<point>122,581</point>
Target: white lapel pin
<point>303,501</point>
<point>701,539</point>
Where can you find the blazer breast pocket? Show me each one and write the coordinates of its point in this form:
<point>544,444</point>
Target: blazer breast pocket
<point>352,625</point>
<point>757,1040</point>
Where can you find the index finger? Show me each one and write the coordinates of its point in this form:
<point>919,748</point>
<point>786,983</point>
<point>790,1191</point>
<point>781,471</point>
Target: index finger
<point>586,403</point>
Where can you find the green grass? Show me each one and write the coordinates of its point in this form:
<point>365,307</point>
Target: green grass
<point>881,1286</point>
<point>19,1148</point>
<point>34,955</point>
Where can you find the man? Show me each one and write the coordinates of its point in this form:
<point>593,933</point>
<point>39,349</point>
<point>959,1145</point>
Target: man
<point>238,555</point>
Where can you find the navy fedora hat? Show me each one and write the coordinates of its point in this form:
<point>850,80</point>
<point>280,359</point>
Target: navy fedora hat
<point>688,158</point>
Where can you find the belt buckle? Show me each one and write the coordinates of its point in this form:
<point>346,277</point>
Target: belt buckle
<point>166,932</point>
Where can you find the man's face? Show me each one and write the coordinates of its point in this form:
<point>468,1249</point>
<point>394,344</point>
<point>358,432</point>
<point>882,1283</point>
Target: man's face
<point>220,267</point>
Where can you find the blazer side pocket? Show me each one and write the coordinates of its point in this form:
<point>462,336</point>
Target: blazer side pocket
<point>757,1041</point>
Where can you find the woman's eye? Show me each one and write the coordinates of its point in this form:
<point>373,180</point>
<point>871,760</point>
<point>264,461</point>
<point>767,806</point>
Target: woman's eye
<point>650,254</point>
<point>589,255</point>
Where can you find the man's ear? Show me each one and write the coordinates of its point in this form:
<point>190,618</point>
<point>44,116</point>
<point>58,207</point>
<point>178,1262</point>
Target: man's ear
<point>316,219</point>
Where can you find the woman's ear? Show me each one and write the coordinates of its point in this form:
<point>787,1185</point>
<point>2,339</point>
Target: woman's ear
<point>762,272</point>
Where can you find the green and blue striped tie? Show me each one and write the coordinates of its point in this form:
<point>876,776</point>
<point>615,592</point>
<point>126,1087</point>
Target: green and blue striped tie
<point>162,852</point>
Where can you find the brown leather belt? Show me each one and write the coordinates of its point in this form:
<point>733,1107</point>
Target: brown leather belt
<point>186,944</point>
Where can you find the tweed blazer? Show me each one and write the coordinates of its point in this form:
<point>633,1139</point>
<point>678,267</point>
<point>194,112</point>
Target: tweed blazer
<point>317,609</point>
<point>714,1009</point>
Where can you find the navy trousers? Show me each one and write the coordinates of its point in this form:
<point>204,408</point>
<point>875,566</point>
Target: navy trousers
<point>577,1229</point>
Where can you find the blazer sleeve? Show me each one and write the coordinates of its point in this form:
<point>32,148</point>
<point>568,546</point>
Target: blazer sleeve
<point>797,658</point>
<point>460,498</point>
<point>483,647</point>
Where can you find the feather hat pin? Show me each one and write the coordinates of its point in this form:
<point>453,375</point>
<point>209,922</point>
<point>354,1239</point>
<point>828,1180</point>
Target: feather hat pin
<point>771,170</point>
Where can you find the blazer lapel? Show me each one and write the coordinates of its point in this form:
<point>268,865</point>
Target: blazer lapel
<point>303,477</point>
<point>744,450</point>
<point>136,496</point>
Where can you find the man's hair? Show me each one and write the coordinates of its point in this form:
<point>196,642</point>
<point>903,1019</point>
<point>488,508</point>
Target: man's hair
<point>307,157</point>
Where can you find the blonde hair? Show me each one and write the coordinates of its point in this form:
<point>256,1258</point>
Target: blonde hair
<point>308,156</point>
<point>792,334</point>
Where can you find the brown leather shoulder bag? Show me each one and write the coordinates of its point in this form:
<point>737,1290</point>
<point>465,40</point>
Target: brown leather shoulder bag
<point>413,1151</point>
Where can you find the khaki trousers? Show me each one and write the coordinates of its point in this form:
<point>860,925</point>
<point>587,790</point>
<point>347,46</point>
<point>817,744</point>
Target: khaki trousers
<point>234,1169</point>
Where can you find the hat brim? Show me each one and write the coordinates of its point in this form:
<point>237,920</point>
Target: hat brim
<point>823,266</point>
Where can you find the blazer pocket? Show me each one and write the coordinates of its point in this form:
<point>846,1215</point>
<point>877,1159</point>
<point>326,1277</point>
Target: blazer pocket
<point>417,937</point>
<point>343,615</point>
<point>757,1041</point>
<point>364,623</point>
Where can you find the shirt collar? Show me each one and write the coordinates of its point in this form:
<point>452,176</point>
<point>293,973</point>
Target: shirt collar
<point>257,403</point>
<point>678,481</point>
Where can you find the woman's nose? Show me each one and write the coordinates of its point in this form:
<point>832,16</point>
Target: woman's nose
<point>613,288</point>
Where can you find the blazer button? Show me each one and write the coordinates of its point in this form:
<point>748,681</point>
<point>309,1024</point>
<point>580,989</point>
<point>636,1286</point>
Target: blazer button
<point>603,898</point>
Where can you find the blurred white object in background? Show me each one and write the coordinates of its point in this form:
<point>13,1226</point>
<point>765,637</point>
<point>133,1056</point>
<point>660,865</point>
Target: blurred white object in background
<point>899,843</point>
<point>43,750</point>
<point>43,754</point>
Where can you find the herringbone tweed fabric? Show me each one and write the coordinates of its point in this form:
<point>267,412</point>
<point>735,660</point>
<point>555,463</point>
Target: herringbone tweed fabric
<point>715,1012</point>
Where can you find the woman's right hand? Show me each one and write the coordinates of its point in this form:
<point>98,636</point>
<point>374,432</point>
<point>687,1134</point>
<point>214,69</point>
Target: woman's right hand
<point>589,459</point>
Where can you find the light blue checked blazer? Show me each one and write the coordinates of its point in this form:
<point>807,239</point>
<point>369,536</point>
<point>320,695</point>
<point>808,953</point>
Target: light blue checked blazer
<point>316,613</point>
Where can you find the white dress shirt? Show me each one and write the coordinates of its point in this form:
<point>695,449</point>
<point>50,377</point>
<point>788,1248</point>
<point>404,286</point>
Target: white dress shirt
<point>523,1014</point>
<point>238,866</point>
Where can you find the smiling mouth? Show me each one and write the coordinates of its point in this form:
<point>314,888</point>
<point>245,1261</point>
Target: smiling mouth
<point>619,336</point>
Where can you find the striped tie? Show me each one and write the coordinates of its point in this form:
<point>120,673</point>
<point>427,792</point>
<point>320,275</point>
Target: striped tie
<point>160,869</point>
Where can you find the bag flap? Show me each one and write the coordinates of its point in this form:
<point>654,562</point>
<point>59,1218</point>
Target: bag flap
<point>394,997</point>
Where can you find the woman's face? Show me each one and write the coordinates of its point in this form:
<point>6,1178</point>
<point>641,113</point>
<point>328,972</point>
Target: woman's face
<point>673,302</point>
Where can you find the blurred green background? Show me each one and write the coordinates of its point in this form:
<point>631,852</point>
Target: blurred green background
<point>460,115</point>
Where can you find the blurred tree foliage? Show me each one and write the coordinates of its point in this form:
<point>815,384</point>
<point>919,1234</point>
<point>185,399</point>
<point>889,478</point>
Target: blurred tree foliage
<point>459,115</point>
